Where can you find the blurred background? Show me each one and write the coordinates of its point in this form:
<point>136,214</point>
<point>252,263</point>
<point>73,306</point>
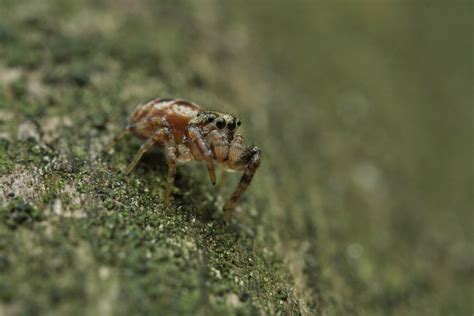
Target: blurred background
<point>363,110</point>
<point>372,146</point>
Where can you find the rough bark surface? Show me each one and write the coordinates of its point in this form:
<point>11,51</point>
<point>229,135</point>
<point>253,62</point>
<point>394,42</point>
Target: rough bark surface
<point>344,216</point>
<point>76,235</point>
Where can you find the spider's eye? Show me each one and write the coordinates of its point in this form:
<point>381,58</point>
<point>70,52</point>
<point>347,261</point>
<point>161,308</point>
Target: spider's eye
<point>231,125</point>
<point>220,122</point>
<point>238,122</point>
<point>211,117</point>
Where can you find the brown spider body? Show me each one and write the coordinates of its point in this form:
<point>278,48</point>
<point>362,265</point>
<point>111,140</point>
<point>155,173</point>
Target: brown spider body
<point>188,133</point>
<point>178,113</point>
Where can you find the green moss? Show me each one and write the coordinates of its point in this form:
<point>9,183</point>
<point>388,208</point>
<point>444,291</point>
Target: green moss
<point>6,163</point>
<point>81,236</point>
<point>19,213</point>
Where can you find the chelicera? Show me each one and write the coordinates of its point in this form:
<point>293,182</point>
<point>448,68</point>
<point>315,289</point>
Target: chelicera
<point>189,133</point>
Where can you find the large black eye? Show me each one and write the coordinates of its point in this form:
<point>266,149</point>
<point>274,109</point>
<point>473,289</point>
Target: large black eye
<point>231,125</point>
<point>238,122</point>
<point>211,117</point>
<point>220,122</point>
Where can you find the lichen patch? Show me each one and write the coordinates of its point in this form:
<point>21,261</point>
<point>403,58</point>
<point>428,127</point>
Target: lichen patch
<point>52,127</point>
<point>28,130</point>
<point>22,182</point>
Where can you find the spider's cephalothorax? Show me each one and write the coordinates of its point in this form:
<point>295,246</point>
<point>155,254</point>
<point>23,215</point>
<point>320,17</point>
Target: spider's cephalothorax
<point>188,133</point>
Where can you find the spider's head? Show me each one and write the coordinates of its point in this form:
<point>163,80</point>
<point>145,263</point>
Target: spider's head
<point>211,120</point>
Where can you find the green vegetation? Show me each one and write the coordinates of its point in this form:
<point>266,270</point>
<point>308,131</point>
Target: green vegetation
<point>76,235</point>
<point>362,202</point>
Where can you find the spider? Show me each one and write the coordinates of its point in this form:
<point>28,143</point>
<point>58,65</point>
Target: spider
<point>188,133</point>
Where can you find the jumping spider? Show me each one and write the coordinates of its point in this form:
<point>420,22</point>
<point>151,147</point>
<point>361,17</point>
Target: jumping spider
<point>189,133</point>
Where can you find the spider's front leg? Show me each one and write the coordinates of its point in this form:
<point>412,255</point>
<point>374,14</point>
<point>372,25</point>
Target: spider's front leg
<point>247,160</point>
<point>220,147</point>
<point>197,141</point>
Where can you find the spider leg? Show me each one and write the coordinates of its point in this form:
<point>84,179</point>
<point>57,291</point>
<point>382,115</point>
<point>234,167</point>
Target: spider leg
<point>249,160</point>
<point>116,139</point>
<point>220,147</point>
<point>147,145</point>
<point>164,135</point>
<point>127,130</point>
<point>222,180</point>
<point>171,152</point>
<point>197,139</point>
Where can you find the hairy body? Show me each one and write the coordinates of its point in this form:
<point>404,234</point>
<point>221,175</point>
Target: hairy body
<point>188,133</point>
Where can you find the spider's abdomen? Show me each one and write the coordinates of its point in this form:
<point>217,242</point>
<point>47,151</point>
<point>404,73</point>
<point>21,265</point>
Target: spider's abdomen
<point>176,112</point>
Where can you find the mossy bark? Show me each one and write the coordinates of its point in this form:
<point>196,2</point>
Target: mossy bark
<point>362,203</point>
<point>78,236</point>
